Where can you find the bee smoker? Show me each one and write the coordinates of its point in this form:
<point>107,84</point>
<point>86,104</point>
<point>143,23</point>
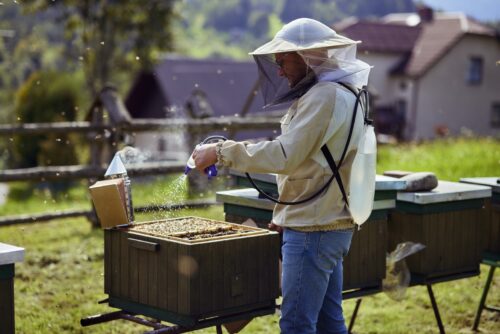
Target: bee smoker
<point>117,170</point>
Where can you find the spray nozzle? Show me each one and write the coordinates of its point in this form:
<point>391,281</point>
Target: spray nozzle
<point>211,170</point>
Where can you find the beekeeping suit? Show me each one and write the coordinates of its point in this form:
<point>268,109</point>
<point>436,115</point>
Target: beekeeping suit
<point>319,114</point>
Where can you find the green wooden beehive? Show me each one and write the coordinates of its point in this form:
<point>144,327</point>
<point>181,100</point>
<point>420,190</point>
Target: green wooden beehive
<point>364,266</point>
<point>448,221</point>
<point>183,279</point>
<point>492,214</point>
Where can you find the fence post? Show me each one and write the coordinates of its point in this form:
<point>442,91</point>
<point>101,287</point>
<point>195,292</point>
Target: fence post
<point>96,148</point>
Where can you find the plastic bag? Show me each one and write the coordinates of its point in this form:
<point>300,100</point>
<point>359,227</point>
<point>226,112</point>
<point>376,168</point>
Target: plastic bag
<point>397,277</point>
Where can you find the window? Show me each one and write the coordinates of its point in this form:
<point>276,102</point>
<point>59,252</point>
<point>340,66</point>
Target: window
<point>475,73</point>
<point>162,144</point>
<point>403,85</point>
<point>401,107</point>
<point>495,115</point>
<point>400,118</point>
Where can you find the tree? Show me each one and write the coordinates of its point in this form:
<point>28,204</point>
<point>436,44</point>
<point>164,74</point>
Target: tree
<point>110,37</point>
<point>45,97</point>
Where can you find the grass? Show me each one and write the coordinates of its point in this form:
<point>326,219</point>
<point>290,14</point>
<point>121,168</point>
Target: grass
<point>61,279</point>
<point>450,159</point>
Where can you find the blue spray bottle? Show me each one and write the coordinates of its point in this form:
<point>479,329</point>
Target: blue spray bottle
<point>211,170</point>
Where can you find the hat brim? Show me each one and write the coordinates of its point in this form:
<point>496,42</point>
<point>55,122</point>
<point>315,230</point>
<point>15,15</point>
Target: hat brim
<point>278,45</point>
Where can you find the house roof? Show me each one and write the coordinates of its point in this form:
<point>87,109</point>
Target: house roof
<point>381,37</point>
<point>224,84</point>
<point>422,43</point>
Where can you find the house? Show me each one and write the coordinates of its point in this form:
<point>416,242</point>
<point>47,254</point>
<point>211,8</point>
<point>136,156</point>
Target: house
<point>193,88</point>
<point>433,73</point>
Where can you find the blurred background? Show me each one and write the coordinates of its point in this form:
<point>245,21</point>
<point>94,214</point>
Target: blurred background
<point>435,64</point>
<point>82,80</point>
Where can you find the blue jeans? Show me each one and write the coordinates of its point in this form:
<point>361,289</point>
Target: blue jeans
<point>312,281</point>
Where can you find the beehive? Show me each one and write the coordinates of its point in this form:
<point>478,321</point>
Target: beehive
<point>447,220</point>
<point>491,233</point>
<point>188,269</point>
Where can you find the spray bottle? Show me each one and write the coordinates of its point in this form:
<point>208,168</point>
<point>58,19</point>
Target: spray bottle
<point>211,170</point>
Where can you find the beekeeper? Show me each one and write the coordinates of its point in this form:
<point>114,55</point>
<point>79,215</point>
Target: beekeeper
<point>302,66</point>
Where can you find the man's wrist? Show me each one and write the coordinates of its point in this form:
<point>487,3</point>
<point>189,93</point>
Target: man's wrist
<point>218,153</point>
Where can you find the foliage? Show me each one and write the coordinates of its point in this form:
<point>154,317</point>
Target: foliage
<point>112,36</point>
<point>194,43</point>
<point>45,97</point>
<point>243,25</point>
<point>29,43</point>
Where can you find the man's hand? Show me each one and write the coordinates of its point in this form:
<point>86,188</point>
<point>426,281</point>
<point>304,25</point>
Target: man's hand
<point>204,156</point>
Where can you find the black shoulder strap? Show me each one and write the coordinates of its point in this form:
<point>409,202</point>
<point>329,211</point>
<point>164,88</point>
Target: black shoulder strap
<point>348,87</point>
<point>328,157</point>
<point>327,153</point>
<point>335,171</point>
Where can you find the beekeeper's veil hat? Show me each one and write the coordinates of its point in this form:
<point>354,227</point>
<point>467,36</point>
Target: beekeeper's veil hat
<point>329,56</point>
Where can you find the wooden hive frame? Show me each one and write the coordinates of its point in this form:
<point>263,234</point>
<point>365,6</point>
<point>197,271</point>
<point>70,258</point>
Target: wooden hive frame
<point>239,230</point>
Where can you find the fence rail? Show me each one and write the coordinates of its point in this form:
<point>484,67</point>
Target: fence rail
<point>43,217</point>
<point>138,125</point>
<point>107,120</point>
<point>51,173</point>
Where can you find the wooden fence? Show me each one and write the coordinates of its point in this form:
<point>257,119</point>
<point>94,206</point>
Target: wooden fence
<point>106,123</point>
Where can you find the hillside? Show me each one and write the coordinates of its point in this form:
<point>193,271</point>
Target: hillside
<point>237,26</point>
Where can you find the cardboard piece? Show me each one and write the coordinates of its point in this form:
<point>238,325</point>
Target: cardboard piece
<point>109,201</point>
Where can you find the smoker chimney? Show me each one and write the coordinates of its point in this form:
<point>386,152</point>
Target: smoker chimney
<point>426,13</point>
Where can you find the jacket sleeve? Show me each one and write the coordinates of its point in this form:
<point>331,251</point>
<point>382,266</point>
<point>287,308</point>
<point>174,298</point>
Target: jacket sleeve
<point>300,141</point>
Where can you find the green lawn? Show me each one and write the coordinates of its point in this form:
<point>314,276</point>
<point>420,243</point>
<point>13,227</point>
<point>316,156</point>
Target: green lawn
<point>449,159</point>
<point>61,279</point>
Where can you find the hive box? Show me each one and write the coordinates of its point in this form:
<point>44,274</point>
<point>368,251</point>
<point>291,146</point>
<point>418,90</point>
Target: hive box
<point>109,201</point>
<point>492,217</point>
<point>447,220</point>
<point>364,266</point>
<point>186,282</point>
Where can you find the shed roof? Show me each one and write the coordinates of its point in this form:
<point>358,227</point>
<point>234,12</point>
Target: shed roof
<point>226,84</point>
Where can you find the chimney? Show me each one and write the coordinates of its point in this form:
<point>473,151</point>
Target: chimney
<point>426,14</point>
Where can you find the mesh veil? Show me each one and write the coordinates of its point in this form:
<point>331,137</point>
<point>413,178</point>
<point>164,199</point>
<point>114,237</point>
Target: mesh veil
<point>329,56</point>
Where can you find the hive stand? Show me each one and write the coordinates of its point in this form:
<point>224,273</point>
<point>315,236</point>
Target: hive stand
<point>491,254</point>
<point>159,328</point>
<point>452,212</point>
<point>492,260</point>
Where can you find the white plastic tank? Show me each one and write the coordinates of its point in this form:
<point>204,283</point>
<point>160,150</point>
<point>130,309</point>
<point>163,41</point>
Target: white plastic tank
<point>362,185</point>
